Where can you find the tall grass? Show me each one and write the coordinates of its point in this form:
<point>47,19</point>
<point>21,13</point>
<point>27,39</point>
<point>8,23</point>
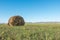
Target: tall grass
<point>46,31</point>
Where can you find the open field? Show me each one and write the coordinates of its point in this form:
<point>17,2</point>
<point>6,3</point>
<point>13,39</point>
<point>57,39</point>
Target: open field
<point>46,31</point>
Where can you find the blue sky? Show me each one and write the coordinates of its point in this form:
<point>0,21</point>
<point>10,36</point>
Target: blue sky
<point>30,10</point>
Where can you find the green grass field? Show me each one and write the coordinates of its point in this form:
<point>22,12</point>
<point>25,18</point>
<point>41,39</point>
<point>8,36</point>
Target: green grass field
<point>48,31</point>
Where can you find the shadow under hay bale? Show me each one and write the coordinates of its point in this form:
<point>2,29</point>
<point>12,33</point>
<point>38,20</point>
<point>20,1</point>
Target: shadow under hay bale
<point>16,21</point>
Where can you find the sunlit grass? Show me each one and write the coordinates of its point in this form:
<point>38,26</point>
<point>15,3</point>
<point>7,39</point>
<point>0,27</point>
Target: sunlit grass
<point>48,31</point>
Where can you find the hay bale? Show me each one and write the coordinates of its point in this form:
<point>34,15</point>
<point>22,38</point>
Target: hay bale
<point>16,21</point>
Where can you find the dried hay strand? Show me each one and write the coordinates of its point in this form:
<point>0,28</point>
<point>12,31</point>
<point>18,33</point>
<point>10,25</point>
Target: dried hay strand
<point>16,21</point>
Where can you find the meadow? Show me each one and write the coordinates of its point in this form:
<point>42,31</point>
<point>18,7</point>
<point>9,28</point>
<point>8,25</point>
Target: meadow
<point>32,31</point>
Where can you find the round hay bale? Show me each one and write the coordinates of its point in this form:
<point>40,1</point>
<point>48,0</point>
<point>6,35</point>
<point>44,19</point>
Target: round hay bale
<point>16,21</point>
